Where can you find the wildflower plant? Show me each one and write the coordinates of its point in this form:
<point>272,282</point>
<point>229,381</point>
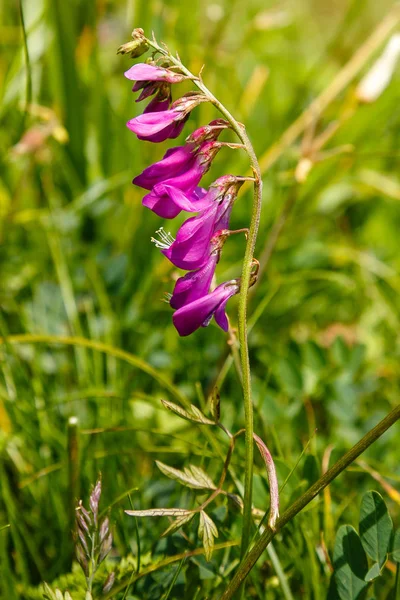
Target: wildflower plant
<point>173,186</point>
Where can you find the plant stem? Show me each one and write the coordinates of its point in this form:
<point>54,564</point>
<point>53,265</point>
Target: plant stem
<point>28,92</point>
<point>240,131</point>
<point>249,561</point>
<point>92,563</point>
<point>73,471</point>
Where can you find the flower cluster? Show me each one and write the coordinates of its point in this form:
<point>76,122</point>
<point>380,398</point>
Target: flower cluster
<point>173,186</point>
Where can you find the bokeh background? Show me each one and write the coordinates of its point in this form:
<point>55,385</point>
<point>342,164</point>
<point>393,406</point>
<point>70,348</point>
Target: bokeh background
<point>76,262</point>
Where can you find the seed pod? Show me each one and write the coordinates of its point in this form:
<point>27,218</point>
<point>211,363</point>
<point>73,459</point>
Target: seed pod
<point>109,582</point>
<point>94,500</point>
<point>105,548</point>
<point>81,558</point>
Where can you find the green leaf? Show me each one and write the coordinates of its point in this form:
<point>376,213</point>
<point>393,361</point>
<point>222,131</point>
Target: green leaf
<point>195,416</point>
<point>375,527</point>
<point>215,404</point>
<point>208,531</point>
<point>396,547</point>
<point>177,524</point>
<point>290,376</point>
<point>373,573</point>
<point>158,512</point>
<point>350,564</point>
<point>193,477</point>
<point>48,593</point>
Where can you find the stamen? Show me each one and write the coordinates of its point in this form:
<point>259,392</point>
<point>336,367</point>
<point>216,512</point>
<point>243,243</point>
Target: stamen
<point>167,297</point>
<point>165,241</point>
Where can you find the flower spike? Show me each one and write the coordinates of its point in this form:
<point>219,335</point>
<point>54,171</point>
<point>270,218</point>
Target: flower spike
<point>200,312</point>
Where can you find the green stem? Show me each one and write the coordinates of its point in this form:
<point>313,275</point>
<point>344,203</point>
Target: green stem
<point>92,563</point>
<point>73,470</point>
<point>240,131</point>
<point>28,93</point>
<point>249,561</point>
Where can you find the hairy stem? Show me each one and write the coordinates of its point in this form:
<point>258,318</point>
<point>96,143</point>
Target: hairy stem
<point>240,131</point>
<point>249,561</point>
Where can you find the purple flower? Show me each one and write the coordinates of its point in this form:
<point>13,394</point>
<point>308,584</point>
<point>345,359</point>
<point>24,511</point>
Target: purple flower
<point>200,312</point>
<point>159,103</point>
<point>163,124</point>
<point>191,247</point>
<point>178,160</point>
<point>170,201</point>
<point>170,195</point>
<point>174,162</point>
<point>195,284</point>
<point>143,73</point>
<point>154,80</point>
<point>158,126</point>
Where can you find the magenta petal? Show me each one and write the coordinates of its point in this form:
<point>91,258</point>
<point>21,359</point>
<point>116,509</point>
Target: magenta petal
<point>177,193</point>
<point>180,167</point>
<point>161,206</point>
<point>199,193</point>
<point>173,163</point>
<point>221,317</point>
<point>180,199</point>
<point>199,313</point>
<point>199,199</point>
<point>177,129</point>
<point>192,245</point>
<point>223,216</point>
<point>148,89</point>
<point>186,180</point>
<point>144,72</point>
<point>167,201</point>
<point>157,105</point>
<point>161,136</point>
<point>194,285</point>
<point>152,123</point>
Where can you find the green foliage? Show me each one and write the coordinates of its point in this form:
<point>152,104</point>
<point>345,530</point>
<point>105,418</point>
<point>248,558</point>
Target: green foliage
<point>192,476</point>
<point>376,527</point>
<point>208,531</point>
<point>350,564</point>
<point>351,571</point>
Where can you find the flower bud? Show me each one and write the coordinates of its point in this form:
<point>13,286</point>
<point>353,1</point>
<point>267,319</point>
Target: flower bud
<point>207,133</point>
<point>137,46</point>
<point>94,500</point>
<point>188,102</point>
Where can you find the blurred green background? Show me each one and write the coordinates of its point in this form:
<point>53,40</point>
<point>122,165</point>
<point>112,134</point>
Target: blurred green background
<point>76,260</point>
